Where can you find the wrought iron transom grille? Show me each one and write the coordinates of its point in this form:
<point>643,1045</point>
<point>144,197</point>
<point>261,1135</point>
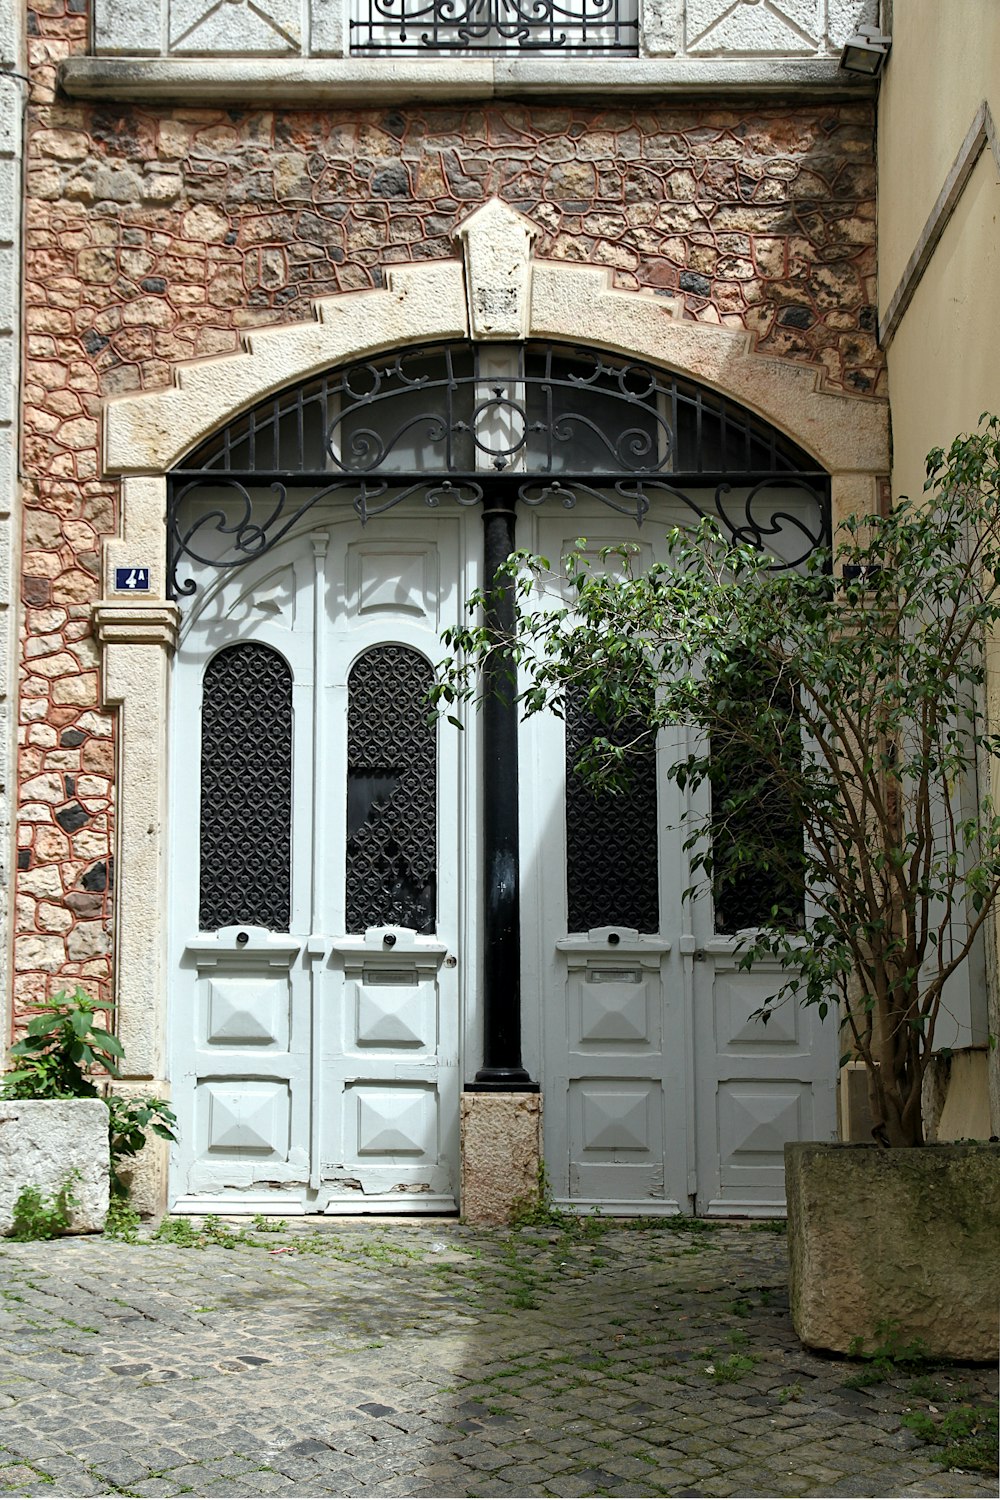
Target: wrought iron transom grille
<point>391,792</point>
<point>611,839</point>
<point>246,789</point>
<point>446,422</point>
<point>381,27</point>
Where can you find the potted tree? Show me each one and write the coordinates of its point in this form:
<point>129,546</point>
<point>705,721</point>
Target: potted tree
<point>850,698</point>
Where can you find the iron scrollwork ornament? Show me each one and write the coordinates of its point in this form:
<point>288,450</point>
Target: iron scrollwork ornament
<point>440,424</point>
<point>436,26</point>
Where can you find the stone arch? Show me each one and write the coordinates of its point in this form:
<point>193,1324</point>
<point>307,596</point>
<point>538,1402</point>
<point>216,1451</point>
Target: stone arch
<point>497,292</point>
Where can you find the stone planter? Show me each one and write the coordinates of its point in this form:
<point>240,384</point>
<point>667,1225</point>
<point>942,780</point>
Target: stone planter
<point>46,1142</point>
<point>905,1240</point>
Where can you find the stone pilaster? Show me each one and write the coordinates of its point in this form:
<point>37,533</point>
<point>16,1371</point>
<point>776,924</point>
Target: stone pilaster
<point>136,642</point>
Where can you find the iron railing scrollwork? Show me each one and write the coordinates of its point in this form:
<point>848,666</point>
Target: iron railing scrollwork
<point>381,27</point>
<point>441,423</point>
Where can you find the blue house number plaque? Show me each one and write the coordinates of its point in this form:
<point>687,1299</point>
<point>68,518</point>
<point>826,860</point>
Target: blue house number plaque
<point>132,580</point>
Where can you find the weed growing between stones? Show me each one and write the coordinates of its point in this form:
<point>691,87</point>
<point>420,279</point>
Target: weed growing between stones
<point>264,1225</point>
<point>43,1216</point>
<point>727,1371</point>
<point>889,1357</point>
<point>212,1232</point>
<point>968,1434</point>
<point>122,1222</point>
<point>523,1290</point>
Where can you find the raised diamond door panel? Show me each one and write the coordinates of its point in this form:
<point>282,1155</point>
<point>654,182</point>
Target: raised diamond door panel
<point>248,1011</point>
<point>616,1128</point>
<point>385,1122</point>
<point>246,1117</point>
<point>394,1009</point>
<point>755,1120</point>
<point>739,1029</point>
<point>616,1006</point>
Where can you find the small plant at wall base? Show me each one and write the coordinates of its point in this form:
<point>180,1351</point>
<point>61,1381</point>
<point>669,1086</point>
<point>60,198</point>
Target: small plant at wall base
<point>62,1047</point>
<point>841,703</point>
<point>130,1120</point>
<point>43,1216</point>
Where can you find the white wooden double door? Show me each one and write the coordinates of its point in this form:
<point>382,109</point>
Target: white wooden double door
<point>320,1069</point>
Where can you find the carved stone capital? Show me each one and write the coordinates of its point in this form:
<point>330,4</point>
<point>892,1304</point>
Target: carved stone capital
<point>134,624</point>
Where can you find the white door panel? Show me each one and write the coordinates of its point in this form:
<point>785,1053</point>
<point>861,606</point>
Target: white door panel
<point>762,1083</point>
<point>661,1094</point>
<point>319,1070</point>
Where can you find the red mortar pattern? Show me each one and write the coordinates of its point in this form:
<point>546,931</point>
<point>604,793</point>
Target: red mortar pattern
<point>159,236</point>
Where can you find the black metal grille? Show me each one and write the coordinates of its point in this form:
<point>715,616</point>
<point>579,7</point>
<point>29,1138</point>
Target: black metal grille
<point>611,838</point>
<point>448,26</point>
<point>442,423</point>
<point>246,789</point>
<point>450,410</point>
<point>391,792</point>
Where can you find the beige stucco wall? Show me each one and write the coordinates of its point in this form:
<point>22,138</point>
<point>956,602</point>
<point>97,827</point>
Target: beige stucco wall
<point>945,60</point>
<point>939,258</point>
<point>943,365</point>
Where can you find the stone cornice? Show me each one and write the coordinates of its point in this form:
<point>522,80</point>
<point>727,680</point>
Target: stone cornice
<point>375,81</point>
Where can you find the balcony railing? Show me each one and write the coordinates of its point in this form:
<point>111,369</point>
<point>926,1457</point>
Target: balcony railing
<point>413,27</point>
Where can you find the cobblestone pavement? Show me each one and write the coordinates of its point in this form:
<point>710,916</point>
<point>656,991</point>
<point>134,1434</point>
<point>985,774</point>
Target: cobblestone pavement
<point>431,1359</point>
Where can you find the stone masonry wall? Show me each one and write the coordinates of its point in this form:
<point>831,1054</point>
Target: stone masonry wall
<point>159,236</point>
<point>12,98</point>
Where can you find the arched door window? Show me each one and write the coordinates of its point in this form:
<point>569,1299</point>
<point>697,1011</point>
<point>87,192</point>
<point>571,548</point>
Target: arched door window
<point>246,789</point>
<point>391,792</point>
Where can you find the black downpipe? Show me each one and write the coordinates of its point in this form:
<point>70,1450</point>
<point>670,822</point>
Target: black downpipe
<point>502,1068</point>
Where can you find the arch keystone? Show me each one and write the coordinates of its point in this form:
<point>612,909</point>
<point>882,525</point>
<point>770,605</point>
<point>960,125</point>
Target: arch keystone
<point>496,245</point>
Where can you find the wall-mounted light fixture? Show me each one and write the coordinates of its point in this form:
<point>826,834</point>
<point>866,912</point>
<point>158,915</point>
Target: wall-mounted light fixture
<point>865,52</point>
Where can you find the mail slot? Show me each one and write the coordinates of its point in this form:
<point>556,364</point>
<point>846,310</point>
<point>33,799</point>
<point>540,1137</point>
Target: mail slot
<point>389,976</point>
<point>613,976</point>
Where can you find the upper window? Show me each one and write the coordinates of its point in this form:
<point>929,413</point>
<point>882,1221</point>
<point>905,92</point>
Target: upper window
<point>393,27</point>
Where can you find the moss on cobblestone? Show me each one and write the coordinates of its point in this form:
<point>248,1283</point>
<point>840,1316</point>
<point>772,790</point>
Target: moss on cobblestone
<point>393,1360</point>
